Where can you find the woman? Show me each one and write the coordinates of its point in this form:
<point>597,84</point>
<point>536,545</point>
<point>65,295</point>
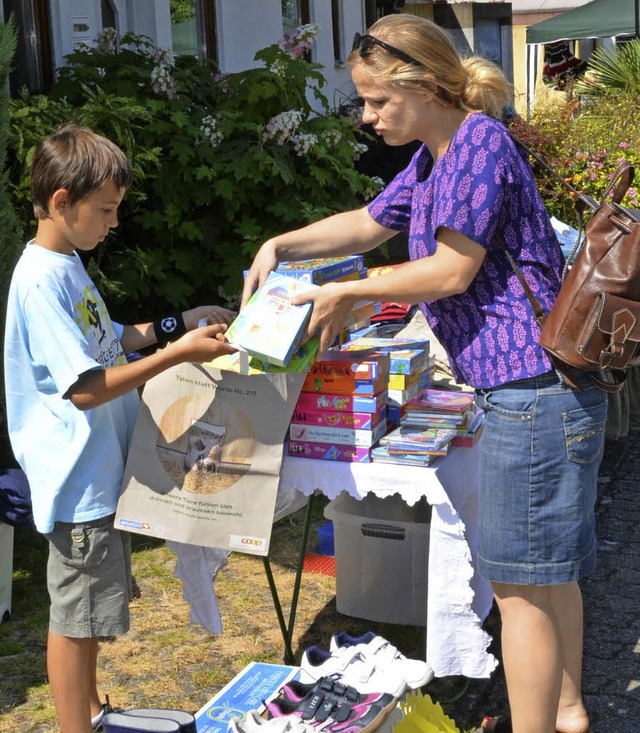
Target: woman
<point>467,193</point>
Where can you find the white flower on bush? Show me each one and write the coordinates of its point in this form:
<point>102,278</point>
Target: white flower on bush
<point>283,126</point>
<point>332,136</point>
<point>376,184</point>
<point>162,80</point>
<point>303,143</point>
<point>299,40</point>
<point>358,149</point>
<point>107,41</point>
<point>278,67</point>
<point>211,131</point>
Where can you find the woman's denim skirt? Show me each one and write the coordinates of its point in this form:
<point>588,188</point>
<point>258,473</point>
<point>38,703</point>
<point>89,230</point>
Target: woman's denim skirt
<point>539,457</point>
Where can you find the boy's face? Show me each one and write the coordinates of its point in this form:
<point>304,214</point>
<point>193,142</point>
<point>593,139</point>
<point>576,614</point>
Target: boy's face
<point>86,223</point>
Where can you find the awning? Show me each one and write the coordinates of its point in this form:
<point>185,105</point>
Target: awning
<point>597,19</point>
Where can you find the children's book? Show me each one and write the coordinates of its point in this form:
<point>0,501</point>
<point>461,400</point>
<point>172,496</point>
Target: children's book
<point>270,327</point>
<point>441,400</point>
<point>411,439</point>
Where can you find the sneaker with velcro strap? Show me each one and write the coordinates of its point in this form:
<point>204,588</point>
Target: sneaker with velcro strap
<point>386,656</point>
<point>331,706</point>
<point>351,667</point>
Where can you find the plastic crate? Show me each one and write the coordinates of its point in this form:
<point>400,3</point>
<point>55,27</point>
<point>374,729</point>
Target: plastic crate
<point>382,555</point>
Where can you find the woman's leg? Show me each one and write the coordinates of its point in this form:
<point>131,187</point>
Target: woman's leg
<point>542,656</point>
<point>531,655</point>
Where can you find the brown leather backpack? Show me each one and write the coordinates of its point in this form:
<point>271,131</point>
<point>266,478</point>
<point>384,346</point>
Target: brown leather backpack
<point>594,324</point>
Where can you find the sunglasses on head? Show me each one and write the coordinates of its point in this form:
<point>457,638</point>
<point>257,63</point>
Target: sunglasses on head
<point>364,44</point>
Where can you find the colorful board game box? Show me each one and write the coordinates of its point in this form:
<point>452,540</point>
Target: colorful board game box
<point>340,436</point>
<point>256,683</point>
<point>342,403</point>
<point>329,451</point>
<point>319,271</point>
<point>405,356</point>
<point>339,419</point>
<point>369,365</point>
<point>403,381</point>
<point>270,327</point>
<point>344,386</point>
<point>442,400</point>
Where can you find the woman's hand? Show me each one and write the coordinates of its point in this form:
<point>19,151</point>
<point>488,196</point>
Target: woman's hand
<point>332,303</point>
<point>211,314</point>
<point>263,263</point>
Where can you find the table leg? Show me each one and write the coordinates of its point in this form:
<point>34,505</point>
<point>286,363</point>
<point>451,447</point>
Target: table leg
<point>286,629</point>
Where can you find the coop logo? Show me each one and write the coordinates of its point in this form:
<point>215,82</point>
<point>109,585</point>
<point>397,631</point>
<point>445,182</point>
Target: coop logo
<point>247,544</point>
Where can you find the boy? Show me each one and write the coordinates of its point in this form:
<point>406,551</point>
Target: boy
<point>72,401</point>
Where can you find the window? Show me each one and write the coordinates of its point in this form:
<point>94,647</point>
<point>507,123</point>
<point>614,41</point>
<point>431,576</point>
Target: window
<point>294,14</point>
<point>193,28</point>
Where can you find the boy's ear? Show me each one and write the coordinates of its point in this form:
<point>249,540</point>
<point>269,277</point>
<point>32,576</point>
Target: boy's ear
<point>59,200</point>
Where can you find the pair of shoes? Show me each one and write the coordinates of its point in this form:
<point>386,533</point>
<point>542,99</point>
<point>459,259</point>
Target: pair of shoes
<point>149,720</point>
<point>253,722</point>
<point>332,706</point>
<point>352,667</point>
<point>385,656</point>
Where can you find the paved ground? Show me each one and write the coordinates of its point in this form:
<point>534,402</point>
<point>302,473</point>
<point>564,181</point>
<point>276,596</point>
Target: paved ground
<point>612,612</point>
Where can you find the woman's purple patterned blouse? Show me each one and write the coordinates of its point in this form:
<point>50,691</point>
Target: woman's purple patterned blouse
<point>482,185</point>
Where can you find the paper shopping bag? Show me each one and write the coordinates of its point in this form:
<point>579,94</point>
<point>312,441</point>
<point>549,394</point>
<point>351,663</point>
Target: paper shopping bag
<point>204,463</point>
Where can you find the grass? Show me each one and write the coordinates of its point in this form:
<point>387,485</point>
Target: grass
<point>164,661</point>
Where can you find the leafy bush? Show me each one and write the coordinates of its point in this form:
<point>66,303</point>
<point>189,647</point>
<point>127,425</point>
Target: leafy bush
<point>584,144</point>
<point>221,162</point>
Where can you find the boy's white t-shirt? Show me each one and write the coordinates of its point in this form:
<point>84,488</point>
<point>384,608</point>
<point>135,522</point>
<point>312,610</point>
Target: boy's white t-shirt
<point>57,328</point>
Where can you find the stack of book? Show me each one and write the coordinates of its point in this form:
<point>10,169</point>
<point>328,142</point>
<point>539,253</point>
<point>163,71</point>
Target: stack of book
<point>341,412</point>
<point>433,420</point>
<point>413,446</point>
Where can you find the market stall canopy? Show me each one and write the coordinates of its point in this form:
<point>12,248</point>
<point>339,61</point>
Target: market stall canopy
<point>597,19</point>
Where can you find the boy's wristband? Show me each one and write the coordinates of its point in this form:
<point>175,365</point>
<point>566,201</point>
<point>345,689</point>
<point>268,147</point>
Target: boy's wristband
<point>169,328</point>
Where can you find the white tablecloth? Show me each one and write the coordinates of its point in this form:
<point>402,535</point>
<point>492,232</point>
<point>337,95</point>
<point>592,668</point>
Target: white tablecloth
<point>458,600</point>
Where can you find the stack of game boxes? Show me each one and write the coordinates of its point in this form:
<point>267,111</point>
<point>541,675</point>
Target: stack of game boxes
<point>341,412</point>
<point>409,369</point>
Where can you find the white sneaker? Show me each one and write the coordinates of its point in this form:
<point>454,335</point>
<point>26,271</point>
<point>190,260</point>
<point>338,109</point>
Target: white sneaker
<point>351,667</point>
<point>253,722</point>
<point>385,657</point>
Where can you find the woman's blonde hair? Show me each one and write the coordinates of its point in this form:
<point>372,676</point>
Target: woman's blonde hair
<point>473,84</point>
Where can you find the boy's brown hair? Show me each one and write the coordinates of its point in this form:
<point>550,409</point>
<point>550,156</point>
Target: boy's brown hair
<point>78,160</point>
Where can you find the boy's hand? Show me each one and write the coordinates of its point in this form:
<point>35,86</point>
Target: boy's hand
<point>211,314</point>
<point>204,344</point>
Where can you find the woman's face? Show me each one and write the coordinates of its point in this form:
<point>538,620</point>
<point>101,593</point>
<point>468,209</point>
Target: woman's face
<point>399,117</point>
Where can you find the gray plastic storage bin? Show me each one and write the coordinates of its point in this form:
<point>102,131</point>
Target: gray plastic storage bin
<point>382,554</point>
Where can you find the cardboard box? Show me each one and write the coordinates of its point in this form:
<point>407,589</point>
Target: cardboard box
<point>341,436</point>
<point>342,403</point>
<point>270,328</point>
<point>323,270</point>
<point>364,366</point>
<point>327,375</point>
<point>329,451</point>
<point>336,419</point>
<point>256,683</point>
